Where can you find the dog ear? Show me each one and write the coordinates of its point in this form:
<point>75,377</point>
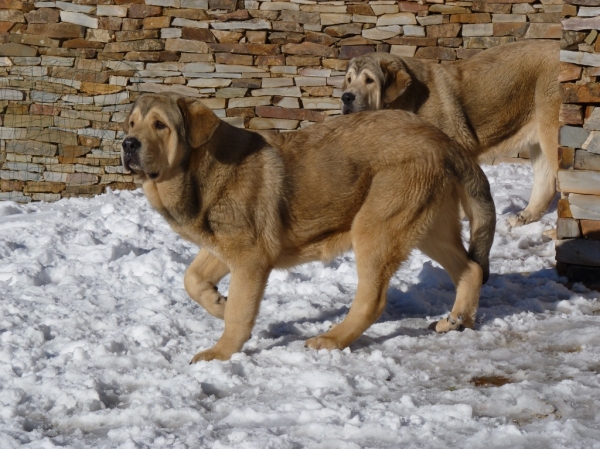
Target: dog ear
<point>396,80</point>
<point>125,124</point>
<point>200,122</point>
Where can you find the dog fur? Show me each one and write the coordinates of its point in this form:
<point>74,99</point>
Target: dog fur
<point>380,183</point>
<point>497,102</point>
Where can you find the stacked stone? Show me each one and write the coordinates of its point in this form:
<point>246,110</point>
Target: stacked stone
<point>69,70</point>
<point>578,228</point>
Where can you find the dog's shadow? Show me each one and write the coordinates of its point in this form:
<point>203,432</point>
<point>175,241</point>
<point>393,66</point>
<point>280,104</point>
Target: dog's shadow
<point>432,297</point>
<point>517,206</point>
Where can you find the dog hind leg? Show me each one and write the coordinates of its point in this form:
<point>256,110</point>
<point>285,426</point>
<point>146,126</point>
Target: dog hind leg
<point>543,191</point>
<point>383,233</point>
<point>444,245</point>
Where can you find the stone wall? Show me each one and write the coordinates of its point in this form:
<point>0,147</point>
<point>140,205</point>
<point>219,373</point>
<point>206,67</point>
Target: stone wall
<point>68,70</point>
<point>578,227</point>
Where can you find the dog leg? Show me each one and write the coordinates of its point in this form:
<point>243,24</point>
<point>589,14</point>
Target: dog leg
<point>380,244</point>
<point>368,305</point>
<point>245,293</point>
<point>544,158</point>
<point>467,299</point>
<point>444,245</point>
<point>201,279</point>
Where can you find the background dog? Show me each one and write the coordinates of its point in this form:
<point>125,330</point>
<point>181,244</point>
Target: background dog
<point>499,101</point>
<point>379,183</point>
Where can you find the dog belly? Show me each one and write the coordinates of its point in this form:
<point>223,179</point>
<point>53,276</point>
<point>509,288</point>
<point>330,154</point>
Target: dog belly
<point>324,249</point>
<point>511,146</point>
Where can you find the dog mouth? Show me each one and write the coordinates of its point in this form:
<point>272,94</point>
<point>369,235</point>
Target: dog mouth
<point>347,110</point>
<point>132,165</point>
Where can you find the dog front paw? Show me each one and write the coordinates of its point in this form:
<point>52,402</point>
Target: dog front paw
<point>210,354</point>
<point>458,323</point>
<point>323,342</point>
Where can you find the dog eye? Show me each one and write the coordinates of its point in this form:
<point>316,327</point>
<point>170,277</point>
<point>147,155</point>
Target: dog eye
<point>369,80</point>
<point>159,125</point>
<point>131,124</point>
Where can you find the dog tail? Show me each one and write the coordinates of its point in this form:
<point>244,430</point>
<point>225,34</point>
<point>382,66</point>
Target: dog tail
<point>477,201</point>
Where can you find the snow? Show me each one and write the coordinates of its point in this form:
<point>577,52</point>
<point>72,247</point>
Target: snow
<point>96,333</point>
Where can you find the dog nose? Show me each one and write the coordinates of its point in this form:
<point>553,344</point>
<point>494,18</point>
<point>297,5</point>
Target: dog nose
<point>131,145</point>
<point>348,98</point>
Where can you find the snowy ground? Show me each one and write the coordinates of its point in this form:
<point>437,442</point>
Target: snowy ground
<point>96,332</point>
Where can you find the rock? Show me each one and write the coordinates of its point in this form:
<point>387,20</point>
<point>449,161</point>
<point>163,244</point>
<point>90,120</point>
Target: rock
<point>277,82</point>
<point>111,10</point>
<point>231,92</point>
<point>308,48</point>
<point>569,72</point>
<point>227,58</point>
<point>310,18</point>
<point>209,82</point>
<point>135,35</point>
<point>580,93</point>
<point>186,46</point>
<point>30,147</point>
<point>447,54</point>
<point>580,23</point>
<point>510,29</point>
<point>79,19</point>
<point>279,6</point>
<point>379,10</point>
<point>544,31</point>
<point>272,123</point>
<point>581,58</point>
<point>335,19</point>
<point>572,136</point>
<point>157,22</point>
<point>344,30</point>
<point>412,30</point>
<point>584,160</point>
<point>444,30</point>
<point>137,11</point>
<point>11,94</point>
<point>570,114</point>
<point>321,103</point>
<point>253,24</point>
<point>352,51</point>
<point>198,4</point>
<point>249,102</point>
<point>404,51</point>
<point>590,229</point>
<point>579,181</point>
<point>248,49</point>
<point>56,30</point>
<point>137,45</point>
<point>470,18</point>
<point>377,34</point>
<point>43,15</point>
<point>401,18</point>
<point>284,37</point>
<point>11,15</point>
<point>567,228</point>
<point>197,34</point>
<point>482,29</point>
<point>292,91</point>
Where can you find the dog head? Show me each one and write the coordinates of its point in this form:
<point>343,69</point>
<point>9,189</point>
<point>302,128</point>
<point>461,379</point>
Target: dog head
<point>373,81</point>
<point>161,131</point>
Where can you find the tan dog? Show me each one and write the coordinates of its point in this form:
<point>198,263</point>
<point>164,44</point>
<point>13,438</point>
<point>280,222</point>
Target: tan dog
<point>380,183</point>
<point>497,102</point>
